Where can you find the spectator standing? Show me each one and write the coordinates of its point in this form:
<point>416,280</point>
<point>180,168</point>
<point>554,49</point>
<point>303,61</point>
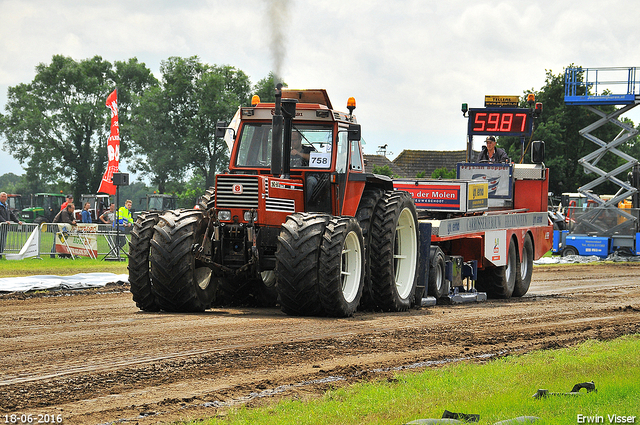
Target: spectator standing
<point>64,205</point>
<point>124,214</point>
<point>108,217</point>
<point>64,216</point>
<point>6,216</point>
<point>86,214</point>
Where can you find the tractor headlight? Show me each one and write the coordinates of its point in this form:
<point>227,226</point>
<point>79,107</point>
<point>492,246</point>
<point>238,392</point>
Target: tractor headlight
<point>250,215</point>
<point>224,215</point>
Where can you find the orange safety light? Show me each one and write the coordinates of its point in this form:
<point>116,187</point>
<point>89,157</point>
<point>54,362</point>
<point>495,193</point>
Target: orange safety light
<point>255,99</point>
<point>351,104</point>
<point>531,98</point>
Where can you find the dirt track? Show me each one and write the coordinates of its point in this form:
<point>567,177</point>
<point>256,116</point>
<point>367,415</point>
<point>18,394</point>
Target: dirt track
<point>94,358</point>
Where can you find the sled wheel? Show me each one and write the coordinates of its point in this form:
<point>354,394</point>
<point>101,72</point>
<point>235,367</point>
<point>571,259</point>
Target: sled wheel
<point>438,287</point>
<point>523,276</point>
<point>499,282</point>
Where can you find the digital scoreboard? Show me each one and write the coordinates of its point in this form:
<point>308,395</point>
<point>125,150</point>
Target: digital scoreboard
<point>500,121</point>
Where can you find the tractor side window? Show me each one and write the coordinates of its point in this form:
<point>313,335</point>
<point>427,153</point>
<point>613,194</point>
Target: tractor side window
<point>356,157</point>
<point>255,146</point>
<point>341,158</point>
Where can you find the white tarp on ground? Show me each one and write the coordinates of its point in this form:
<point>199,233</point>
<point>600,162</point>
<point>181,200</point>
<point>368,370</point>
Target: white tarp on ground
<point>585,259</point>
<point>48,282</point>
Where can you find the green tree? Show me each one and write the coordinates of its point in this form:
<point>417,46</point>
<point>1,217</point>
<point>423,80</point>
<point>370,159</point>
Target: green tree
<point>174,125</point>
<point>443,173</point>
<point>265,88</point>
<point>385,170</point>
<point>58,123</point>
<point>559,127</point>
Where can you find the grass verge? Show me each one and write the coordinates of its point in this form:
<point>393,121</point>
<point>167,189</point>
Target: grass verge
<point>497,390</point>
<point>59,266</point>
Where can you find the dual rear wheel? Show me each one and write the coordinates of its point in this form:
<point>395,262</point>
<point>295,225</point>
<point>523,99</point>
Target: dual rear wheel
<point>321,261</point>
<point>512,280</point>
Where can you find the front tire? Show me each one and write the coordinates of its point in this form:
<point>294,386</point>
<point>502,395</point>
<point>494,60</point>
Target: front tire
<point>139,276</point>
<point>180,282</point>
<point>342,264</point>
<point>394,252</point>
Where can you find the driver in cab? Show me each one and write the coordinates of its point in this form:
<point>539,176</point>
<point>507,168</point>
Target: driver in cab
<point>299,153</point>
<point>491,153</point>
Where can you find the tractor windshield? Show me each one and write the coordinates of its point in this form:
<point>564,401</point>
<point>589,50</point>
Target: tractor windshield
<point>310,146</point>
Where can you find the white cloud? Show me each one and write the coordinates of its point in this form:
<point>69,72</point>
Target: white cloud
<point>410,64</point>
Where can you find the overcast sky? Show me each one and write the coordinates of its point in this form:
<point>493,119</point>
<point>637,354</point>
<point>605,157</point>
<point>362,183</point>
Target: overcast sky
<point>409,64</point>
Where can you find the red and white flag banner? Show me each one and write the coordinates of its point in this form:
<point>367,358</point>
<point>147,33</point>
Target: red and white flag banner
<point>113,147</point>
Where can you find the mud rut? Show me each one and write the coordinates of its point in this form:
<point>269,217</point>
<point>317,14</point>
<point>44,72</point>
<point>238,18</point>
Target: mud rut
<point>94,358</point>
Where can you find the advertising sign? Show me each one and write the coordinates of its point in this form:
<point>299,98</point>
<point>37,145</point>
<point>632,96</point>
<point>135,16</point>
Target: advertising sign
<point>80,240</point>
<point>497,176</point>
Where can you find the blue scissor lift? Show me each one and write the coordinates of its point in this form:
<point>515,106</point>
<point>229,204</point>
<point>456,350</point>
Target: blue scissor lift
<point>605,228</point>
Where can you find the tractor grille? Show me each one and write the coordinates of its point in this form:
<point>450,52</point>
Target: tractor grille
<point>245,195</point>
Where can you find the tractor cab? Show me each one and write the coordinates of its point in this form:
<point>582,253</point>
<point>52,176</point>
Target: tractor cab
<point>294,155</point>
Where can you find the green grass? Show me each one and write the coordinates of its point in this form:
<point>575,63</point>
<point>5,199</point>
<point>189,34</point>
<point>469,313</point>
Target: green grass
<point>59,266</point>
<point>498,390</point>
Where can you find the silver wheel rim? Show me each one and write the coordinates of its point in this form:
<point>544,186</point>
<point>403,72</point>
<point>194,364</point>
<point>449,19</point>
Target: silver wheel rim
<point>268,278</point>
<point>439,277</point>
<point>351,267</point>
<point>404,255</point>
<point>203,277</point>
<point>510,264</point>
<point>524,264</point>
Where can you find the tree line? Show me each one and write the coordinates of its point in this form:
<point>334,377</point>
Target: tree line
<point>57,125</point>
<point>559,127</point>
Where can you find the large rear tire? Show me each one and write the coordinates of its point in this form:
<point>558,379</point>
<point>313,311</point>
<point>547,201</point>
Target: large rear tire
<point>394,252</point>
<point>180,282</point>
<point>499,282</point>
<point>523,276</point>
<point>297,264</point>
<point>139,247</point>
<point>342,267</point>
<point>364,215</point>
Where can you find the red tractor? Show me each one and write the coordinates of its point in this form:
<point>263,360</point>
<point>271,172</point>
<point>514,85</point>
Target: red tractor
<point>294,221</point>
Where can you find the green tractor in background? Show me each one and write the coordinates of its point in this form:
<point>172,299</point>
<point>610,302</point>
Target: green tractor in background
<point>45,208</point>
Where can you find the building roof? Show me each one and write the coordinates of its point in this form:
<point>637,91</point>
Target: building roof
<point>381,161</point>
<point>417,161</point>
<point>411,162</point>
